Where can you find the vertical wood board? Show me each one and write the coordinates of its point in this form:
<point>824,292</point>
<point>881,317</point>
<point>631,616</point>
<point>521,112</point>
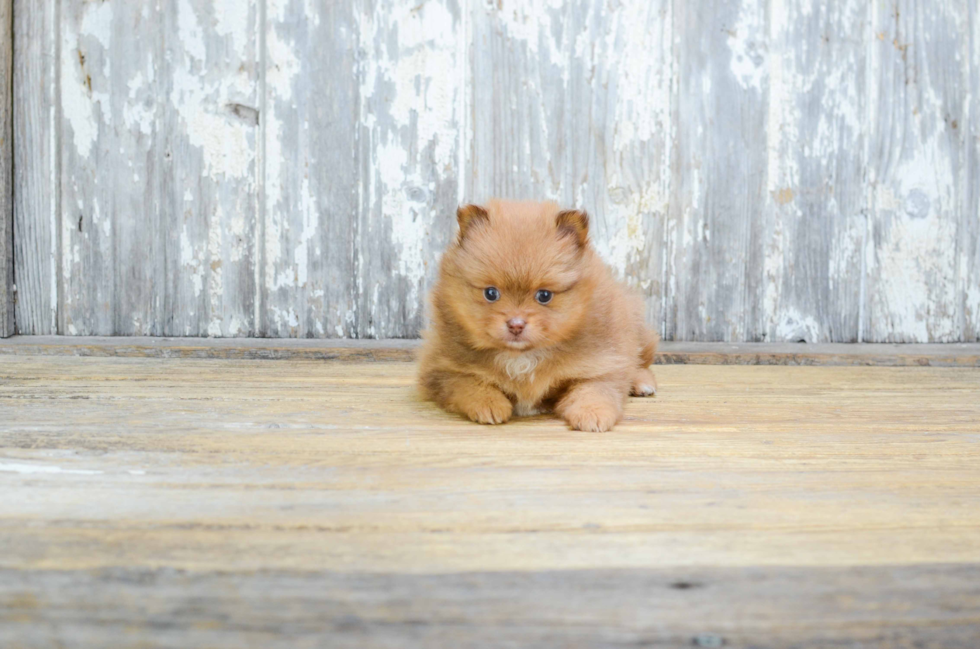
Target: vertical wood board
<point>309,176</point>
<point>969,261</point>
<point>6,170</point>
<point>565,107</point>
<point>815,213</point>
<point>917,167</point>
<point>36,169</point>
<point>209,147</point>
<point>157,158</point>
<point>719,165</point>
<point>411,88</point>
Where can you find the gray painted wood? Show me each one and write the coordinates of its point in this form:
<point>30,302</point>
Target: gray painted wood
<point>969,238</point>
<point>715,234</point>
<point>158,150</point>
<point>411,92</point>
<point>207,154</point>
<point>309,174</point>
<point>36,199</point>
<point>6,170</point>
<point>564,108</point>
<point>815,188</point>
<point>918,170</point>
<point>774,170</point>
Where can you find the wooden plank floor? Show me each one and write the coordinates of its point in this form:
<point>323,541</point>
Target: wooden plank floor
<point>154,502</point>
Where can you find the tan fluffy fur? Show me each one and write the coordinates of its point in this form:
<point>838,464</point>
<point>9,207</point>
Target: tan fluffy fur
<point>580,355</point>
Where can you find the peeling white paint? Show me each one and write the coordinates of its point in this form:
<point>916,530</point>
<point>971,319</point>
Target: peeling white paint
<point>191,262</point>
<point>97,23</point>
<point>216,274</point>
<point>189,31</point>
<point>794,326</point>
<point>282,71</point>
<point>748,45</point>
<point>139,114</point>
<point>202,103</point>
<point>593,100</point>
<point>78,98</point>
<point>231,19</point>
<point>224,143</point>
<point>417,79</point>
<point>642,97</point>
<point>625,240</point>
<point>529,21</point>
<point>915,266</point>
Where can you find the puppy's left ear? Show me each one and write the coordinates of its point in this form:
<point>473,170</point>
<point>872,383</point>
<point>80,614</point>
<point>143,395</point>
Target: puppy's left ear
<point>574,223</point>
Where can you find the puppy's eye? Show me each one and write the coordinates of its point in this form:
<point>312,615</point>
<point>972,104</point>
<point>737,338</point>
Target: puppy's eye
<point>543,296</point>
<point>491,293</point>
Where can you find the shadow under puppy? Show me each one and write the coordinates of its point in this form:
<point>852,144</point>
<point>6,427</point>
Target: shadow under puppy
<point>527,318</point>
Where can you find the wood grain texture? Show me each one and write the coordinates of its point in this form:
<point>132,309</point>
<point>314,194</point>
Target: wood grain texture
<point>6,169</point>
<point>571,102</point>
<point>248,503</point>
<point>763,170</point>
<point>716,247</point>
<point>411,89</point>
<point>816,190</point>
<point>918,167</point>
<point>914,607</point>
<point>37,256</point>
<point>307,274</point>
<point>669,352</point>
<point>969,250</point>
<point>158,178</point>
<point>207,153</point>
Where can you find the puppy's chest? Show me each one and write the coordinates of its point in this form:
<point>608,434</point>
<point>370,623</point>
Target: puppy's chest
<point>528,376</point>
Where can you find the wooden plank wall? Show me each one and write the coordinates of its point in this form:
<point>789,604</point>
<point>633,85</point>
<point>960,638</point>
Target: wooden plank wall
<point>6,171</point>
<point>763,170</point>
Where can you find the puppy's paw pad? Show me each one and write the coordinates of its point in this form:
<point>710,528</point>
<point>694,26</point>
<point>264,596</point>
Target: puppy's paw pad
<point>592,419</point>
<point>494,409</point>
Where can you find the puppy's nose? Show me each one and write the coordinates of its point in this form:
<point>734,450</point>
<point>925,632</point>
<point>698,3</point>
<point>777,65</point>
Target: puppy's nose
<point>516,326</point>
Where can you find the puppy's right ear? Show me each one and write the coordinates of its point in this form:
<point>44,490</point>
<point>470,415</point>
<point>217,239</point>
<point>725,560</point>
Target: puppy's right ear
<point>469,217</point>
<point>574,223</point>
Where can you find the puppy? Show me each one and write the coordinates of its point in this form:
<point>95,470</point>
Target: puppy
<point>527,318</point>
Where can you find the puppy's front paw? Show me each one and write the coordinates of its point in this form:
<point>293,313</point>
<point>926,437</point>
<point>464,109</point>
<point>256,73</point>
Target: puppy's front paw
<point>644,383</point>
<point>592,417</point>
<point>490,408</point>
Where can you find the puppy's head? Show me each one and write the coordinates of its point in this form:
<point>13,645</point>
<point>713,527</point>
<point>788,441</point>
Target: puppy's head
<point>517,277</point>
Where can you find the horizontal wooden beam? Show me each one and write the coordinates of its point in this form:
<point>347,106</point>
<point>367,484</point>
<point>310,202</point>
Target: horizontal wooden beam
<point>671,353</point>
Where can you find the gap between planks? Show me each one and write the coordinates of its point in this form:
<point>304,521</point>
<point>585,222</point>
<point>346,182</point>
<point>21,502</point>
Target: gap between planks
<point>671,353</point>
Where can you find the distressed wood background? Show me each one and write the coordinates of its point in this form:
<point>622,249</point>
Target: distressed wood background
<point>776,170</point>
<point>6,171</point>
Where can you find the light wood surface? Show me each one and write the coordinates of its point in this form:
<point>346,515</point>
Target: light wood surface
<point>763,170</point>
<point>229,503</point>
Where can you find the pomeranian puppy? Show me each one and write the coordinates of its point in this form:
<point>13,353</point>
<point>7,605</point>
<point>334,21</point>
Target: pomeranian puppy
<point>526,318</point>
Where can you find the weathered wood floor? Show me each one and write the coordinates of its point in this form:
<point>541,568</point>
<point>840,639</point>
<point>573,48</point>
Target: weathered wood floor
<point>153,502</point>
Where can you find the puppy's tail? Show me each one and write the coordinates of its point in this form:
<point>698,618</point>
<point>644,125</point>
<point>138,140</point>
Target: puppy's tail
<point>649,341</point>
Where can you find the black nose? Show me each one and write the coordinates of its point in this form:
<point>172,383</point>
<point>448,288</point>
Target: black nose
<point>515,326</point>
